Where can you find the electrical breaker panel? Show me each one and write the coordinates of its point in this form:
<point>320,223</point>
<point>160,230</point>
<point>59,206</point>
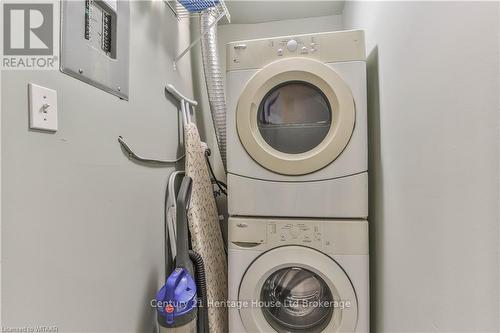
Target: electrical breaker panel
<point>95,43</point>
<point>100,24</point>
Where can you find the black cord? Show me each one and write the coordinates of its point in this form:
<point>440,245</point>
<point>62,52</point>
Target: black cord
<point>201,291</point>
<point>221,185</point>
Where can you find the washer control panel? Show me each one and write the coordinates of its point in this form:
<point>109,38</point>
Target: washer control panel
<point>297,233</point>
<point>328,236</point>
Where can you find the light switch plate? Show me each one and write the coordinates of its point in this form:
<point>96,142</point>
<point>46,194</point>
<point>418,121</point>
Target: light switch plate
<point>42,107</point>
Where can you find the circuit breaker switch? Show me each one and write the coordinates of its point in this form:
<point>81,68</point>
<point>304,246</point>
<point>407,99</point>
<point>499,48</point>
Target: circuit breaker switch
<point>106,32</point>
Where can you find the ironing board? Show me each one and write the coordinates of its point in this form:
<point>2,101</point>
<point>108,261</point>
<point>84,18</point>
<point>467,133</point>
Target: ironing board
<point>206,236</point>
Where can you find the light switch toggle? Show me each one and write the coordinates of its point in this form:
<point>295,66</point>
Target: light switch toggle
<point>42,108</point>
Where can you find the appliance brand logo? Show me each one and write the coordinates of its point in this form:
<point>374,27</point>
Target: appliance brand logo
<point>29,35</point>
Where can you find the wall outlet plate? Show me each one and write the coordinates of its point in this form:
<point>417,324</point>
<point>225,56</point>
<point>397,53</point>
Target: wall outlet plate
<point>42,107</point>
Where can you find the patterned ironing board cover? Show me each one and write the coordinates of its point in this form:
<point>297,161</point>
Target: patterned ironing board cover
<point>206,236</point>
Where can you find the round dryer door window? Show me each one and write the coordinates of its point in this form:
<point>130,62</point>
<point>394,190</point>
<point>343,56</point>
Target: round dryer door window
<point>308,293</point>
<point>295,116</point>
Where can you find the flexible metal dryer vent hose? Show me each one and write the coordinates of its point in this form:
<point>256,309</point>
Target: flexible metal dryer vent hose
<point>214,78</point>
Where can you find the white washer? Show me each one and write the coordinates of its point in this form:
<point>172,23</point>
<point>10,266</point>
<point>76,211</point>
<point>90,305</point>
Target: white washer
<point>298,275</point>
<point>296,126</point>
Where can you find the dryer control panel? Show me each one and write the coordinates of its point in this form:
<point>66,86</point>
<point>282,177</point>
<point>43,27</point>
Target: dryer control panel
<point>298,45</point>
<point>328,236</point>
<point>326,47</point>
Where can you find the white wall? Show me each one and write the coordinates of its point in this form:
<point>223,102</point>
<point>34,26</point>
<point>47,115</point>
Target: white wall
<point>82,226</point>
<point>434,162</point>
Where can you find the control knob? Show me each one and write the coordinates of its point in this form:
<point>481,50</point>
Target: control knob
<point>292,45</point>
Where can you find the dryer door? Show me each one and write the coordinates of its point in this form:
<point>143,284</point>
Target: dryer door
<point>295,116</point>
<point>297,289</point>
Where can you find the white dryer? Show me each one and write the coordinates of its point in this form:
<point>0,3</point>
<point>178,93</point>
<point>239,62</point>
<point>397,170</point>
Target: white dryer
<point>298,275</point>
<point>296,126</point>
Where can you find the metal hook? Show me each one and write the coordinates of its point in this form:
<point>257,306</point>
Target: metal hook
<point>133,155</point>
<point>187,104</point>
<point>186,116</point>
<point>174,92</point>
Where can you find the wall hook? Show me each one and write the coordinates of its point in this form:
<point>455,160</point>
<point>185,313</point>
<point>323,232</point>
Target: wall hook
<point>134,156</point>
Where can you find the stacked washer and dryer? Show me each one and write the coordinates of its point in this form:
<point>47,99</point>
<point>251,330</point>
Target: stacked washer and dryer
<point>298,184</point>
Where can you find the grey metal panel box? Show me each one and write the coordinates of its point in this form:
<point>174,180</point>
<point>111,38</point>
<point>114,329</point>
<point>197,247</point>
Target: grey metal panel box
<point>95,43</point>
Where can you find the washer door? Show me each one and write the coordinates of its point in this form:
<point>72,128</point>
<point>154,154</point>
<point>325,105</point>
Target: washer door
<point>297,289</point>
<point>295,116</point>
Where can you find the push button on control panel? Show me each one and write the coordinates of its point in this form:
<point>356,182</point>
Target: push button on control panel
<point>314,47</point>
